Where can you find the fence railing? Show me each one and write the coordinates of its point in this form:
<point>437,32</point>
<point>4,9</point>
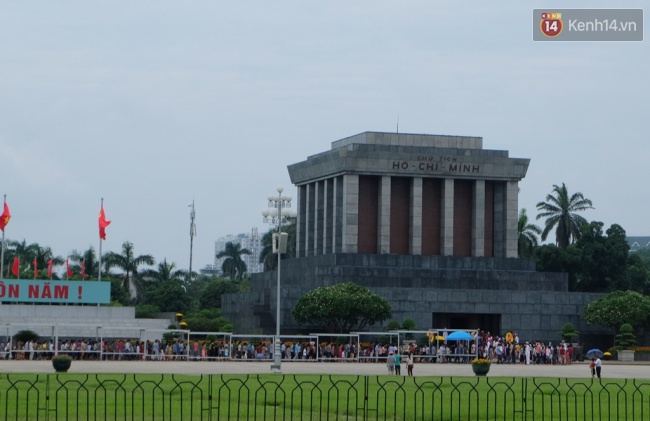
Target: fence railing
<point>317,397</point>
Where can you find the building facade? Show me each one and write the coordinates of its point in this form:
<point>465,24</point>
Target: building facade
<point>428,222</point>
<point>385,193</point>
<point>252,242</point>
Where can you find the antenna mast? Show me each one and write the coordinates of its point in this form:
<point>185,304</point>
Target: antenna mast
<point>192,234</point>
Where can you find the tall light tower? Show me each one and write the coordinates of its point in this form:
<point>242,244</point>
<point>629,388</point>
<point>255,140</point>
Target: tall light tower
<point>275,215</point>
<point>192,234</point>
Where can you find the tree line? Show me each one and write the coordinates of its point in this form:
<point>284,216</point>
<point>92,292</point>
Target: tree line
<point>596,259</point>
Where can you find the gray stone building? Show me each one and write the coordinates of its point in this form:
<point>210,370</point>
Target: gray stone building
<point>428,222</point>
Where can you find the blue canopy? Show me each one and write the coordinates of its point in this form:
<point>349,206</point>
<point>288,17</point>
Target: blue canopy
<point>459,335</point>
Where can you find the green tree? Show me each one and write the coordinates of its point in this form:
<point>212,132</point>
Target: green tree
<point>118,294</point>
<point>527,235</point>
<point>603,259</point>
<point>26,336</point>
<point>146,311</point>
<point>409,324</point>
<point>394,325</point>
<point>165,272</point>
<point>169,295</point>
<point>213,290</point>
<point>638,275</point>
<point>23,251</point>
<point>233,265</point>
<point>129,264</point>
<point>551,258</point>
<point>42,255</point>
<point>341,308</point>
<point>644,256</point>
<point>625,339</point>
<point>165,287</point>
<point>617,308</point>
<point>568,331</point>
<point>270,259</point>
<point>559,211</point>
<point>208,320</point>
<point>91,264</point>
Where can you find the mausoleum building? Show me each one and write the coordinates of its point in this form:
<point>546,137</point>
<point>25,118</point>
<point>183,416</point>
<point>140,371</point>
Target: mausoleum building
<point>429,222</point>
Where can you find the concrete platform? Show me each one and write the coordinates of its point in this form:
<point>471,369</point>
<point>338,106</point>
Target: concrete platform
<point>577,370</point>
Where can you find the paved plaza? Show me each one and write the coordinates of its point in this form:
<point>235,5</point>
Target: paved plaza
<point>611,369</point>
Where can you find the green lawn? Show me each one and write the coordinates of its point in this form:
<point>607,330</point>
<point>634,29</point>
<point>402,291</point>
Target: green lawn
<point>315,397</point>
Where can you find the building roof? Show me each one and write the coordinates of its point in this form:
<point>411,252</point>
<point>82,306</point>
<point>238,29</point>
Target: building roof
<point>638,243</point>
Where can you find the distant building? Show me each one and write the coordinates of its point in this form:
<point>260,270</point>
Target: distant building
<point>211,270</point>
<point>638,243</point>
<point>252,242</point>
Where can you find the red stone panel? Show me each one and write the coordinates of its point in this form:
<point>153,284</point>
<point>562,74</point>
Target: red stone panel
<point>368,213</point>
<point>431,216</point>
<point>489,219</point>
<point>400,207</point>
<point>463,217</point>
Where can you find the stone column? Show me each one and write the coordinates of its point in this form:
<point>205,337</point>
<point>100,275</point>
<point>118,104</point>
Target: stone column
<point>350,240</point>
<point>383,230</point>
<point>310,225</point>
<point>447,229</point>
<point>318,218</point>
<point>478,219</point>
<point>300,230</point>
<point>337,215</point>
<point>511,219</point>
<point>327,216</point>
<point>415,236</point>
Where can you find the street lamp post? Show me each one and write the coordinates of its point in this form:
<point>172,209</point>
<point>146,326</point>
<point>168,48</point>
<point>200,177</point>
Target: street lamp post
<point>274,215</point>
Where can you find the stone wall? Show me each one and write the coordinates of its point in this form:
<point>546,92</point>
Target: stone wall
<point>534,304</point>
<point>79,321</point>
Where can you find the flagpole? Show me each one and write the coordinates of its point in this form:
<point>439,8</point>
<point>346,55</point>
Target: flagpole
<point>99,277</point>
<point>2,259</point>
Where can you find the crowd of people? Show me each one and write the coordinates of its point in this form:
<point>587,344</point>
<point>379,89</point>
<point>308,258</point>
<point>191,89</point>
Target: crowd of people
<point>506,350</point>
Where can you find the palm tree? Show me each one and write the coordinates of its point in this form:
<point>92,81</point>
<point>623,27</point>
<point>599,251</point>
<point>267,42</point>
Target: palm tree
<point>129,263</point>
<point>42,255</point>
<point>27,253</point>
<point>233,265</point>
<point>16,249</point>
<point>559,211</point>
<point>89,259</point>
<point>166,287</point>
<point>165,272</point>
<point>527,235</point>
<point>267,256</point>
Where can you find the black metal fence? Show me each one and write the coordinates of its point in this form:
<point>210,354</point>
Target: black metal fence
<point>317,397</point>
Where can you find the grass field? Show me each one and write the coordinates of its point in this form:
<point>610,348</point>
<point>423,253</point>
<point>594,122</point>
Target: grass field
<point>315,397</point>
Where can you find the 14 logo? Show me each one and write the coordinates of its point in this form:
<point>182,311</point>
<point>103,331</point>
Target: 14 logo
<point>551,24</point>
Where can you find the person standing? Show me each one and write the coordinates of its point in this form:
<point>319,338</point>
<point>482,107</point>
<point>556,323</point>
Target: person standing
<point>409,364</point>
<point>390,362</point>
<point>599,365</point>
<point>398,364</point>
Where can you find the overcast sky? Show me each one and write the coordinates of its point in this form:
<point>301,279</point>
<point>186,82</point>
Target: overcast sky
<point>153,104</point>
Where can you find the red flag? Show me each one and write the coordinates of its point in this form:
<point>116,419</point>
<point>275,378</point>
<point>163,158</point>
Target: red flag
<point>103,223</point>
<point>67,269</point>
<point>35,268</point>
<point>16,268</point>
<point>4,218</point>
<point>49,269</point>
<point>83,269</point>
